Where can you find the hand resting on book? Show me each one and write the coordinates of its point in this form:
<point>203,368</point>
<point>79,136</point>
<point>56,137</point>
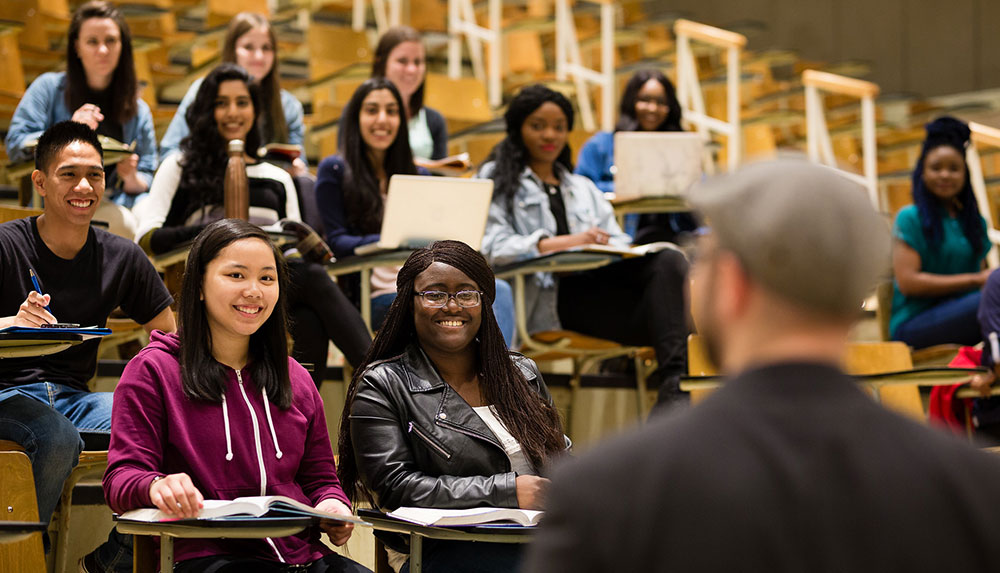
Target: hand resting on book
<point>176,495</point>
<point>338,531</point>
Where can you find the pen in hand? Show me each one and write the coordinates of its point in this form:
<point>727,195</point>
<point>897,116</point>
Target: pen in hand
<point>38,288</point>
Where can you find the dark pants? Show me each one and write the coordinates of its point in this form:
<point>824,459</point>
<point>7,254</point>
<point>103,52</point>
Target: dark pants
<point>469,557</point>
<point>231,564</point>
<point>638,302</point>
<point>952,321</point>
<point>320,312</point>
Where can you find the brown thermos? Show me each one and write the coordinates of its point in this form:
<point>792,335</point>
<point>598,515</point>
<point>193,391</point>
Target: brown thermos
<point>237,191</point>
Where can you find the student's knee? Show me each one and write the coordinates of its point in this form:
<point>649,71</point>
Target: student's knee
<point>670,262</point>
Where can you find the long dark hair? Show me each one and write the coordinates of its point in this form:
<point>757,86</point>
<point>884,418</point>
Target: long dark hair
<point>204,149</point>
<point>390,39</point>
<point>272,122</point>
<point>511,155</point>
<point>362,197</point>
<point>533,422</point>
<point>947,131</point>
<point>202,376</point>
<point>124,86</point>
<point>626,118</point>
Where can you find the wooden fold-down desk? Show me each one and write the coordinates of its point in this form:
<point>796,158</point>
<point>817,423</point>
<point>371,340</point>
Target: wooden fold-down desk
<point>22,345</point>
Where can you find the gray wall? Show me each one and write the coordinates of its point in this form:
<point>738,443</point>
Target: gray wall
<point>926,47</point>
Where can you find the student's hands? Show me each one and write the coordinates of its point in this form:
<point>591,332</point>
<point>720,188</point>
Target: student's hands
<point>176,495</point>
<point>560,242</point>
<point>298,168</point>
<point>32,311</point>
<point>338,531</point>
<point>983,382</point>
<point>531,491</point>
<point>982,276</point>
<point>88,114</point>
<point>595,235</point>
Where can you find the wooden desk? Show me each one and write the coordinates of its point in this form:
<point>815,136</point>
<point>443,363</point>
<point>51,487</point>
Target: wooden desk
<point>417,533</point>
<point>256,528</point>
<point>14,531</point>
<point>21,345</point>
<point>648,205</point>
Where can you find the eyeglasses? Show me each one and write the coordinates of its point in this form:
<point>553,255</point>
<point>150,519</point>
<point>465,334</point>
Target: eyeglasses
<point>439,299</point>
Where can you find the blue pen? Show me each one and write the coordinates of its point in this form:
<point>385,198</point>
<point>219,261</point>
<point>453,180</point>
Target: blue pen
<point>38,288</point>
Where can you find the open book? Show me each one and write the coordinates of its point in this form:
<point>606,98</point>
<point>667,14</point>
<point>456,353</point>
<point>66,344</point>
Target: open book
<point>273,505</point>
<point>473,516</point>
<point>627,252</point>
<point>280,152</point>
<point>451,165</point>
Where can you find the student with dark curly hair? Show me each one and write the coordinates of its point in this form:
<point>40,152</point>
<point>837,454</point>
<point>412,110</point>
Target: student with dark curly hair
<point>540,206</point>
<point>649,103</point>
<point>442,415</point>
<point>187,193</point>
<point>940,247</point>
<point>99,88</point>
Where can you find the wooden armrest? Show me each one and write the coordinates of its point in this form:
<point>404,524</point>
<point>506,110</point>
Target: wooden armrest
<point>839,84</point>
<point>710,34</point>
<point>984,134</point>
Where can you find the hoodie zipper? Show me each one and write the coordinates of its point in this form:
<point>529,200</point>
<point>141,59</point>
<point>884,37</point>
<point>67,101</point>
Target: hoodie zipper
<point>415,429</point>
<point>260,453</point>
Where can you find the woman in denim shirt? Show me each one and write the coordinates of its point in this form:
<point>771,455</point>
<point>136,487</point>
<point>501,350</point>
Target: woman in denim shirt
<point>98,88</point>
<point>539,207</point>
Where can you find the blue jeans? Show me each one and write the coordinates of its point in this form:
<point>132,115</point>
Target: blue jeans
<point>48,420</point>
<point>952,321</point>
<point>503,310</point>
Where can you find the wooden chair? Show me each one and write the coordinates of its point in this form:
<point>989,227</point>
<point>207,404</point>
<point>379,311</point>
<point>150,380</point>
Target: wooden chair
<point>17,495</point>
<point>92,464</point>
<point>862,358</point>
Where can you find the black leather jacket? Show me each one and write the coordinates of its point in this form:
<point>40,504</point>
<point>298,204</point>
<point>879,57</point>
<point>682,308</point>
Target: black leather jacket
<point>418,443</point>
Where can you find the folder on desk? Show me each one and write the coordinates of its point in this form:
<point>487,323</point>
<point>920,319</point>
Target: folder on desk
<point>86,332</point>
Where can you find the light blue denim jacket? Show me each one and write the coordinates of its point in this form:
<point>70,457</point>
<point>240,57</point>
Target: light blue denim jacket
<point>44,105</point>
<point>512,238</point>
<point>178,128</point>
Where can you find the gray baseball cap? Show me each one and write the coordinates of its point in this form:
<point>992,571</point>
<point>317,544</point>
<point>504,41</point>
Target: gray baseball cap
<point>801,230</point>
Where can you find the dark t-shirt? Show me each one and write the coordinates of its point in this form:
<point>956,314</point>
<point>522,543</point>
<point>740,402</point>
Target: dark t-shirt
<point>558,208</point>
<point>108,272</point>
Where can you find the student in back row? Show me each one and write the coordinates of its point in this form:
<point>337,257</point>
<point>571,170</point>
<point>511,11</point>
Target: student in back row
<point>187,194</point>
<point>99,89</point>
<point>351,188</point>
<point>85,274</point>
<point>222,412</point>
<point>539,206</point>
<point>250,43</point>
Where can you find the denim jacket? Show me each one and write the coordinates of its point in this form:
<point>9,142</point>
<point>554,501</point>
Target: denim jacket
<point>513,237</point>
<point>44,105</point>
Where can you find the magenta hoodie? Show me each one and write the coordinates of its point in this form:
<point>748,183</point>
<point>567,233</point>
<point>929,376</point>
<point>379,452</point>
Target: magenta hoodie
<point>157,430</point>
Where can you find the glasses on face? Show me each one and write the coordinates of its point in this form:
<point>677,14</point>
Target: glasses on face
<point>439,299</point>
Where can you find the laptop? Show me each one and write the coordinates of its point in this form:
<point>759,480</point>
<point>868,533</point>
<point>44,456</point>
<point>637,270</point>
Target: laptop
<point>656,164</point>
<point>422,209</point>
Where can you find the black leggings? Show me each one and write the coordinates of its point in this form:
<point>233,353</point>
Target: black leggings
<point>319,312</point>
<point>639,301</point>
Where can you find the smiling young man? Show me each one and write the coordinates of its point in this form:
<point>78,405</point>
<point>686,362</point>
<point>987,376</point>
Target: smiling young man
<point>85,273</point>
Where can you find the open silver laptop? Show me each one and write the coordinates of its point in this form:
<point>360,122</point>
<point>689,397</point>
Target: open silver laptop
<point>656,164</point>
<point>420,210</point>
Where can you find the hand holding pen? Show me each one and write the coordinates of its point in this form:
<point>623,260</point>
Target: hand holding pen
<point>34,311</point>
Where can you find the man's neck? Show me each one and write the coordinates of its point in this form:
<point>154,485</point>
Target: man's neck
<point>825,347</point>
<point>63,239</point>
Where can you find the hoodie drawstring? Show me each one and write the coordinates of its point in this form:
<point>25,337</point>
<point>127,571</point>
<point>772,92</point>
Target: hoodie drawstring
<point>229,439</point>
<point>270,425</point>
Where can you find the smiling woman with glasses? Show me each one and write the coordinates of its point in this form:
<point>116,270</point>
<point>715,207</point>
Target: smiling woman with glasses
<point>442,415</point>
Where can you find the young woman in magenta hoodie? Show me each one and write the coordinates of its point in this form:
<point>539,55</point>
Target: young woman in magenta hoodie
<point>221,412</point>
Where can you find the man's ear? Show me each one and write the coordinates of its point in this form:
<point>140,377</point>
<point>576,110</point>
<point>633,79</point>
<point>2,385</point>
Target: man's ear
<point>734,286</point>
<point>38,178</point>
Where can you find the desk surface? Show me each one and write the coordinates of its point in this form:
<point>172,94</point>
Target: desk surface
<point>494,534</point>
<point>179,255</point>
<point>562,261</point>
<point>253,528</point>
<point>918,376</point>
<point>22,345</point>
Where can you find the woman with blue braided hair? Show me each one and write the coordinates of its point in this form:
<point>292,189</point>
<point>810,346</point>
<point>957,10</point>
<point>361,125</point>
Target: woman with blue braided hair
<point>940,246</point>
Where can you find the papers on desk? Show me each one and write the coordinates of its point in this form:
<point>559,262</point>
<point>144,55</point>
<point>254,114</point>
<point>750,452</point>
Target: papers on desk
<point>626,252</point>
<point>86,332</point>
<point>243,507</point>
<point>472,516</point>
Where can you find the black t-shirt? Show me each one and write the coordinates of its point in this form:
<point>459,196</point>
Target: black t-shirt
<point>558,208</point>
<point>108,272</point>
<point>264,192</point>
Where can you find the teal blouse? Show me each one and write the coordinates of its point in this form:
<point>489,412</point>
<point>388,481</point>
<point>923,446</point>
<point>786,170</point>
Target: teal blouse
<point>953,256</point>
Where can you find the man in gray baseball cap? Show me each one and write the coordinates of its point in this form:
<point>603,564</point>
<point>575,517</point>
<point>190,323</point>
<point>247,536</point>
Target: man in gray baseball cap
<point>789,467</point>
